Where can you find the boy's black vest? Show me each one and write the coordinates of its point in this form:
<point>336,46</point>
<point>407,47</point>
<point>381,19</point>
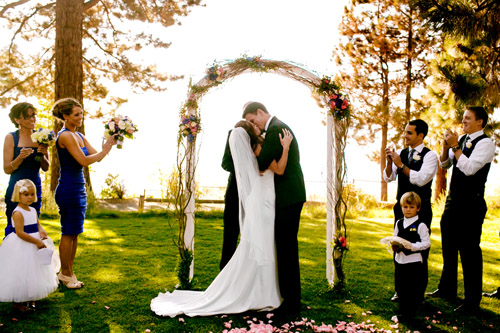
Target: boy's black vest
<point>410,234</point>
<point>462,186</point>
<point>404,184</point>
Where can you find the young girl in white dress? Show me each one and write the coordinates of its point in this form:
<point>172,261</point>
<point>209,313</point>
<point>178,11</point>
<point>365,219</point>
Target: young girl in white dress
<point>25,277</point>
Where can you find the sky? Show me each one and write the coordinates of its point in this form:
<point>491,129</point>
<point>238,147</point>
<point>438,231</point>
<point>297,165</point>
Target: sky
<point>301,32</point>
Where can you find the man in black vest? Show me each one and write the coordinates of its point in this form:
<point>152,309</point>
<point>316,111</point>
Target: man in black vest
<point>290,197</point>
<point>461,223</point>
<point>231,209</point>
<point>414,167</point>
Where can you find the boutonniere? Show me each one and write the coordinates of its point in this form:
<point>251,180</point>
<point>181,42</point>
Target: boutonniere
<point>416,157</point>
<point>468,144</point>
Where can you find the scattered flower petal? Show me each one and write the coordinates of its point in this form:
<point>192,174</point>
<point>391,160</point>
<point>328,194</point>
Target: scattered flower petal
<point>181,320</point>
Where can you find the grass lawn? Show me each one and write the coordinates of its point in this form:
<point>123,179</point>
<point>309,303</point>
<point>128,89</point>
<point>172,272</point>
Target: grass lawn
<point>126,259</point>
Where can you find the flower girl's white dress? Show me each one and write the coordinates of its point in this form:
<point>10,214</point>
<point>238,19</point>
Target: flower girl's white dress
<point>249,280</point>
<point>22,277</point>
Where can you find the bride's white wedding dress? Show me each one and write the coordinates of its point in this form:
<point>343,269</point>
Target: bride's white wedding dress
<point>249,280</point>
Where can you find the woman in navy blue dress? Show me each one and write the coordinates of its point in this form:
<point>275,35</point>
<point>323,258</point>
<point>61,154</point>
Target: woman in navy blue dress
<point>23,158</point>
<point>74,152</point>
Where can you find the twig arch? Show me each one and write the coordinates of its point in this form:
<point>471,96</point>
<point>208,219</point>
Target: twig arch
<point>327,94</point>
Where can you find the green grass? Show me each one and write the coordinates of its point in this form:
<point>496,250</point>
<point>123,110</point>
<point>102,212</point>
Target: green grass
<point>126,259</point>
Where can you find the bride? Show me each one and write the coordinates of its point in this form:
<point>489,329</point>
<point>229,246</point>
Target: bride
<point>249,281</point>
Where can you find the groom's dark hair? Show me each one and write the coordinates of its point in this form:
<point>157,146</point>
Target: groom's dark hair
<point>251,107</point>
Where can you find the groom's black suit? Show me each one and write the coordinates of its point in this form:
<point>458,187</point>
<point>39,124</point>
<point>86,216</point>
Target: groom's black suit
<point>290,197</point>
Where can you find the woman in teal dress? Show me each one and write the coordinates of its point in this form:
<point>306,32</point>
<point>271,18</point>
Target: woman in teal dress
<point>75,153</point>
<point>23,158</point>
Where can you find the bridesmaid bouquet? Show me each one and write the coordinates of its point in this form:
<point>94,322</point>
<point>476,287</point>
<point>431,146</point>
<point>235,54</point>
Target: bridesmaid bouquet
<point>122,126</point>
<point>44,137</point>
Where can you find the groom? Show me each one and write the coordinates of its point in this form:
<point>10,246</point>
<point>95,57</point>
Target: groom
<point>290,197</point>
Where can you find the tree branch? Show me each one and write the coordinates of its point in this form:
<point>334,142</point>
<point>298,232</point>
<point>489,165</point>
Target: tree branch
<point>89,4</point>
<point>12,5</point>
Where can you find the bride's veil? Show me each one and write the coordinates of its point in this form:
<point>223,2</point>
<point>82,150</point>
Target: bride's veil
<point>245,167</point>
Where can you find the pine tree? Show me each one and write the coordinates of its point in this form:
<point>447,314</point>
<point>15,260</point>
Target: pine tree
<point>384,52</point>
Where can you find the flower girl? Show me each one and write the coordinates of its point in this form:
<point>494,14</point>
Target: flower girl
<point>26,255</point>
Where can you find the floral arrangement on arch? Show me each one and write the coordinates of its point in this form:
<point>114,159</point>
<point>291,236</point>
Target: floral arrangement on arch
<point>189,127</point>
<point>255,63</point>
<point>337,102</point>
<point>216,73</point>
<point>339,247</point>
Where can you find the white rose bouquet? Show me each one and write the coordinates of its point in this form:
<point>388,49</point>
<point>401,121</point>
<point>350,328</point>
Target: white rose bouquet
<point>44,137</point>
<point>122,126</point>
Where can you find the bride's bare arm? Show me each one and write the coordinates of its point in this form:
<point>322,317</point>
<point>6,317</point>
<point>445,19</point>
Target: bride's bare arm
<point>280,166</point>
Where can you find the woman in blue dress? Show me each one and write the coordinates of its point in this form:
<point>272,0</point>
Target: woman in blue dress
<point>23,158</point>
<point>75,153</point>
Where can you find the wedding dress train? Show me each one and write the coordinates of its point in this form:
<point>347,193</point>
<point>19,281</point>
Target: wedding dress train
<point>249,280</point>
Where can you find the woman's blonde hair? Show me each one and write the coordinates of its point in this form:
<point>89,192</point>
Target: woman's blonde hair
<point>22,186</point>
<point>411,198</point>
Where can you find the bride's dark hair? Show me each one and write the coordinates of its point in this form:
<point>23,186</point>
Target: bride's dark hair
<point>254,139</point>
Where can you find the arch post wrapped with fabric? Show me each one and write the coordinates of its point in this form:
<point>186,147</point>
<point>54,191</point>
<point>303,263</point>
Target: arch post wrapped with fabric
<point>327,94</point>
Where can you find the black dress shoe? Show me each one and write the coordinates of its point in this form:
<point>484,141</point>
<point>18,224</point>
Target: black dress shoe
<point>441,294</point>
<point>495,294</point>
<point>466,309</point>
<point>395,297</point>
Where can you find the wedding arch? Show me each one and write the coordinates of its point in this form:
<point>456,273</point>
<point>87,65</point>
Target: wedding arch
<point>327,94</point>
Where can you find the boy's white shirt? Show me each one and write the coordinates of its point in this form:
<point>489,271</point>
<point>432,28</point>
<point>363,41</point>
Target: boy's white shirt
<point>425,242</point>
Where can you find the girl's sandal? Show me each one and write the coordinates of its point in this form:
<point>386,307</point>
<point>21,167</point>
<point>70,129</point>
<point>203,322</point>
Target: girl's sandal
<point>68,281</point>
<point>21,308</point>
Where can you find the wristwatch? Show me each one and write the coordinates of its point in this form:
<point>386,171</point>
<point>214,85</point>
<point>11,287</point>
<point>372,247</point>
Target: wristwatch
<point>455,148</point>
<point>402,167</point>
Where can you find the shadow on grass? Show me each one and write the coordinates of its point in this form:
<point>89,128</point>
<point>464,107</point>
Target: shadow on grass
<point>125,260</point>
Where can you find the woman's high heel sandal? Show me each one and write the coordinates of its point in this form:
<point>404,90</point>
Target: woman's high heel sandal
<point>68,281</point>
<point>75,279</point>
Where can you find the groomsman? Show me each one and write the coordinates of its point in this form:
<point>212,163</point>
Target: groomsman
<point>290,197</point>
<point>414,167</point>
<point>231,209</point>
<point>470,156</point>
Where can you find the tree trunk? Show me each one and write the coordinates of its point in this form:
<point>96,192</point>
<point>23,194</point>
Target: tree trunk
<point>409,57</point>
<point>383,146</point>
<point>385,127</point>
<point>68,69</point>
<point>440,183</point>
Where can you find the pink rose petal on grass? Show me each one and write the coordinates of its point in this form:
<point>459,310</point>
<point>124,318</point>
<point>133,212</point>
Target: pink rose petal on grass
<point>269,315</point>
<point>347,301</point>
<point>93,302</point>
<point>455,328</point>
<point>181,320</point>
<point>106,307</point>
<point>147,330</point>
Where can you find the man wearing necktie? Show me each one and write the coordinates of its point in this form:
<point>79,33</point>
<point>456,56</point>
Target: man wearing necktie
<point>470,156</point>
<point>414,168</point>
